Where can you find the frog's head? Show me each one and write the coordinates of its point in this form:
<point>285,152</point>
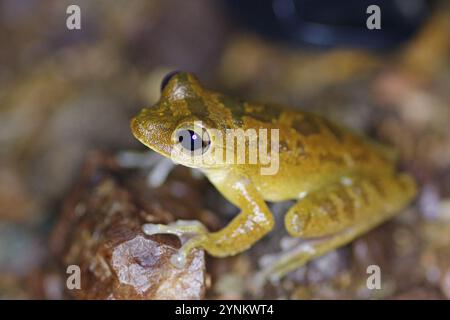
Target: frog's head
<point>180,125</point>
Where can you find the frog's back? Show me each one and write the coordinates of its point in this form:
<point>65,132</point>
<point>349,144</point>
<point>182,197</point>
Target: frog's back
<point>307,141</point>
<point>313,150</point>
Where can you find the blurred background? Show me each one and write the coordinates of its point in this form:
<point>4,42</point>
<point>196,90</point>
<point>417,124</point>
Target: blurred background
<point>65,94</point>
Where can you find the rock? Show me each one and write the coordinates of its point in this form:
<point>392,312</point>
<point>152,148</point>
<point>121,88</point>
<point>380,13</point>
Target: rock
<point>100,231</point>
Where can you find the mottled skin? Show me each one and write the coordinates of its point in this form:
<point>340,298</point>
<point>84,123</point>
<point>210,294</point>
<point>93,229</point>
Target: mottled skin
<point>344,183</point>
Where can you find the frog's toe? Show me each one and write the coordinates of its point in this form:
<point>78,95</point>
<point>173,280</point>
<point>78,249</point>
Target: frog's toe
<point>189,226</point>
<point>180,257</point>
<point>151,229</point>
<point>179,228</point>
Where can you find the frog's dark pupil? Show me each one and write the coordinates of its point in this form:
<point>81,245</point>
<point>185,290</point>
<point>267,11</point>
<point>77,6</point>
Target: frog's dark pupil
<point>167,78</point>
<point>189,139</point>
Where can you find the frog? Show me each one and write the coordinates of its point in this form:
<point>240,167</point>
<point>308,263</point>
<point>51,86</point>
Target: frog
<point>343,183</point>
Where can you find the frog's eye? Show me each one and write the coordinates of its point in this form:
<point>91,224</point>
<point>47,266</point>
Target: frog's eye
<point>190,140</point>
<point>167,78</point>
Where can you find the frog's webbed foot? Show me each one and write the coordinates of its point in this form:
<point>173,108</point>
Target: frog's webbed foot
<point>182,229</point>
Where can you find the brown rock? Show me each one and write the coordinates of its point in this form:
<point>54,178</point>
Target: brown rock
<point>100,231</point>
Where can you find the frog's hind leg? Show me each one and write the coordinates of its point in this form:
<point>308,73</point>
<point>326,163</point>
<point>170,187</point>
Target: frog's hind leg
<point>336,214</point>
<point>277,266</point>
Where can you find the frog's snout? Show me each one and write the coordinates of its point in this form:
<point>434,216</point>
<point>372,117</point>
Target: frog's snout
<point>135,128</point>
<point>139,131</point>
<point>155,134</point>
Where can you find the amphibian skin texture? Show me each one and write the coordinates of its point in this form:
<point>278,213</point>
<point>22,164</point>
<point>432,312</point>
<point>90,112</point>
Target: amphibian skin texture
<point>345,184</point>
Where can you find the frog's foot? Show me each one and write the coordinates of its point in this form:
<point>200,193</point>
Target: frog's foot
<point>158,167</point>
<point>276,266</point>
<point>179,259</point>
<point>180,228</point>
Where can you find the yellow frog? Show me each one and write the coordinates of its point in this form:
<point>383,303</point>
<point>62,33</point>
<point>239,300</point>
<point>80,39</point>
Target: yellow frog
<point>345,184</point>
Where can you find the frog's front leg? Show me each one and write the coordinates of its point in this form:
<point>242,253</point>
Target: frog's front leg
<point>253,222</point>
